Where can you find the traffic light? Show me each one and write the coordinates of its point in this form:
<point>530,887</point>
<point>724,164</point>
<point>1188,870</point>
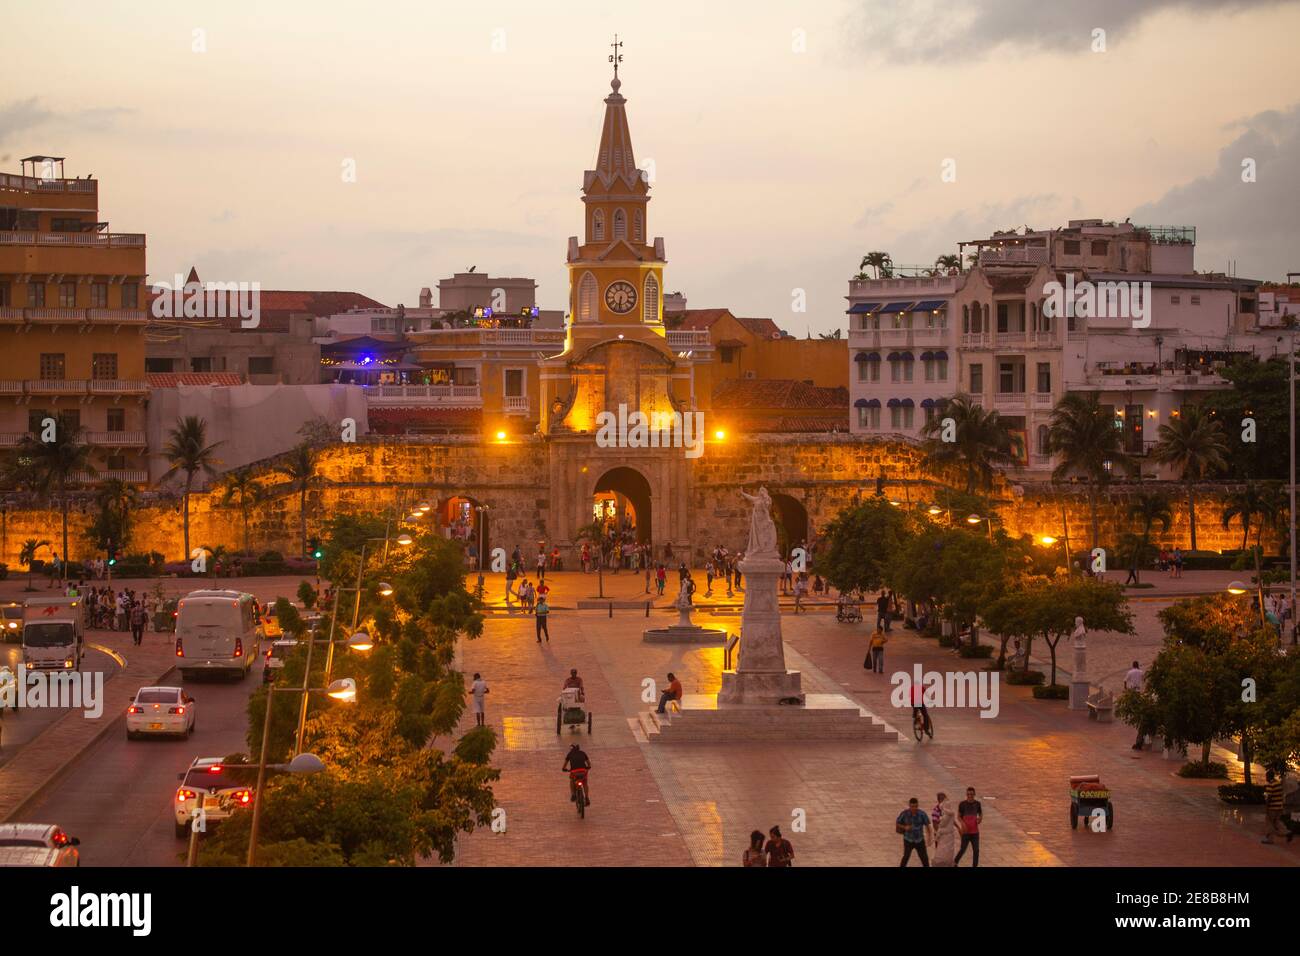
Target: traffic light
<point>314,549</point>
<point>112,554</point>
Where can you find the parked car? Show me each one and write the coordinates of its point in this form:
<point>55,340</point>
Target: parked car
<point>37,844</point>
<point>215,788</point>
<point>275,658</point>
<point>11,621</point>
<point>163,711</point>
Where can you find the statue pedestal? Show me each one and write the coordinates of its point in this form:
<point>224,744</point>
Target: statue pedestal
<point>760,677</point>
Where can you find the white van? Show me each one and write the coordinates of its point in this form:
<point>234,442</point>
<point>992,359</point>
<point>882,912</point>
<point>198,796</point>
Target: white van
<point>52,633</point>
<point>217,631</point>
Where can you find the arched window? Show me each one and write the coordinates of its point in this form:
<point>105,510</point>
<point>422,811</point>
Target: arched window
<point>986,317</point>
<point>965,318</point>
<point>650,300</point>
<point>598,225</point>
<point>620,224</point>
<point>1044,440</point>
<point>587,298</point>
<point>636,226</point>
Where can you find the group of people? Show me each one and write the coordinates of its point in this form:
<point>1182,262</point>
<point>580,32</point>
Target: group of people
<point>776,850</point>
<point>941,829</point>
<point>122,610</point>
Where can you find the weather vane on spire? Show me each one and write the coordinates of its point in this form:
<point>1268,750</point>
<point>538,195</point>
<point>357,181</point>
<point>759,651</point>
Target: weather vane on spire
<point>616,58</point>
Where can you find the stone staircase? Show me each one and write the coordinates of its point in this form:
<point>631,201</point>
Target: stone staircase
<point>744,724</point>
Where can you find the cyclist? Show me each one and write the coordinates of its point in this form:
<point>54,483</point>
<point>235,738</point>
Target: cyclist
<point>577,760</point>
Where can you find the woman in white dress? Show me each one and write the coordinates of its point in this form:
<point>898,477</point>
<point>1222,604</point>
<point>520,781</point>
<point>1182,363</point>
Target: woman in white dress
<point>945,835</point>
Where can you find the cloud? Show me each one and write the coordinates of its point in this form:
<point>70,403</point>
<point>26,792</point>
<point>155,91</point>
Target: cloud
<point>923,29</point>
<point>1252,224</point>
<point>19,118</point>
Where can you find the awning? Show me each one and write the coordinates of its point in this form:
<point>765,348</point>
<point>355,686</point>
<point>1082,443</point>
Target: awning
<point>897,307</point>
<point>867,357</point>
<point>893,403</point>
<point>892,357</point>
<point>940,356</point>
<point>867,403</point>
<point>907,403</point>
<point>928,403</point>
<point>906,357</point>
<point>926,356</point>
<point>929,305</point>
<point>860,307</point>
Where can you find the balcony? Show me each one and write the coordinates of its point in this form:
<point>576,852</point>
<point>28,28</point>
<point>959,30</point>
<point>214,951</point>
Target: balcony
<point>99,240</point>
<point>117,316</point>
<point>1018,400</point>
<point>131,476</point>
<point>118,386</point>
<point>11,439</point>
<point>683,339</point>
<point>1041,400</point>
<point>56,386</point>
<point>447,396</point>
<point>37,184</point>
<point>515,404</point>
<point>11,387</point>
<point>976,340</point>
<point>1013,255</point>
<point>115,439</point>
<point>46,316</point>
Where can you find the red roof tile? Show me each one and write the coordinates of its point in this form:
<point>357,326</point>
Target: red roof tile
<point>765,327</point>
<point>701,319</point>
<point>172,379</point>
<point>778,393</point>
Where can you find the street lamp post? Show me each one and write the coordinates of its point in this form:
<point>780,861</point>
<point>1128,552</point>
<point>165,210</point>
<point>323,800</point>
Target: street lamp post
<point>1290,378</point>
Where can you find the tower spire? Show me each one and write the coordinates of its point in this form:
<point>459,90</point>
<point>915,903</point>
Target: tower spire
<point>616,58</point>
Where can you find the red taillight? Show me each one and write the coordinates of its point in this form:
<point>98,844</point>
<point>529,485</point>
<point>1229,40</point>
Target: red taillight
<point>243,797</point>
<point>133,709</point>
<point>239,647</point>
<point>180,650</point>
<point>183,795</point>
<point>176,710</point>
<point>59,838</point>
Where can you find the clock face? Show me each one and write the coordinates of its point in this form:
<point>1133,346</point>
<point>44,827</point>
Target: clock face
<point>620,297</point>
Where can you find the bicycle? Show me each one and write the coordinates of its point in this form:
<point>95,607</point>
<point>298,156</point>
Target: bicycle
<point>921,725</point>
<point>578,776</point>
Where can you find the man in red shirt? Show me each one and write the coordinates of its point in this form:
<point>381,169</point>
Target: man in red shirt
<point>674,692</point>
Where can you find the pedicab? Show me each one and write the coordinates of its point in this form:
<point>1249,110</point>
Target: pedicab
<point>1088,795</point>
<point>571,710</point>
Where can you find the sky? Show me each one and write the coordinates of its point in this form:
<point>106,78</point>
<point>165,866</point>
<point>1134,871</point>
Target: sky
<point>787,139</point>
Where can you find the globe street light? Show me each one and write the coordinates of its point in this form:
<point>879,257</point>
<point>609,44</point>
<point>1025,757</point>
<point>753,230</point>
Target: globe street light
<point>360,641</point>
<point>405,540</point>
<point>385,589</point>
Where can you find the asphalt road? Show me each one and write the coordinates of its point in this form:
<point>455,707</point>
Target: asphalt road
<point>19,728</point>
<point>117,797</point>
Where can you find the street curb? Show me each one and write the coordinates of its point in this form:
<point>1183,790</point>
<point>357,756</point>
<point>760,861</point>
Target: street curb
<point>59,774</point>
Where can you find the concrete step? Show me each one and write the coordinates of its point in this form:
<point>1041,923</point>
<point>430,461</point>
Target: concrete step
<point>811,725</point>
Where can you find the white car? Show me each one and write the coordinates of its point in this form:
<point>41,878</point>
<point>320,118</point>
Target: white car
<point>37,844</point>
<point>160,710</point>
<point>212,790</point>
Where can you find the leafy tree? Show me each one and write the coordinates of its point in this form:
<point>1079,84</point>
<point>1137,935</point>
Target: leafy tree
<point>187,450</point>
<point>307,594</point>
<point>1047,607</point>
<point>1148,508</point>
<point>114,499</point>
<point>859,543</point>
<point>959,570</point>
<point>1194,444</point>
<point>1259,391</point>
<point>299,466</point>
<point>54,465</point>
<point>983,441</point>
<point>243,489</point>
<point>1083,434</point>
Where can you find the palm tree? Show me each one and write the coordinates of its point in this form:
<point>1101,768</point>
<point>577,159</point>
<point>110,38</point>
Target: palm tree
<point>1084,435</point>
<point>27,557</point>
<point>188,451</point>
<point>1148,508</point>
<point>1264,502</point>
<point>300,468</point>
<point>1196,446</point>
<point>115,499</point>
<point>981,441</point>
<point>948,262</point>
<point>53,465</point>
<point>880,261</point>
<point>242,488</point>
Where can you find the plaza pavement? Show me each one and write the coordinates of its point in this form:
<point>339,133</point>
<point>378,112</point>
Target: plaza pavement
<point>682,804</point>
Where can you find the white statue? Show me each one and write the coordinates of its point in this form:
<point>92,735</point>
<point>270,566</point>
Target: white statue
<point>762,532</point>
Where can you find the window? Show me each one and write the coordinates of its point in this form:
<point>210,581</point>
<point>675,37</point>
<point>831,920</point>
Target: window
<point>1044,378</point>
<point>117,419</point>
<point>650,299</point>
<point>380,325</point>
<point>1044,440</point>
<point>67,295</point>
<point>936,370</point>
<point>4,294</point>
<point>598,225</point>
<point>36,295</point>
<point>965,319</point>
<point>36,420</point>
<point>103,365</point>
<point>1011,378</point>
<point>201,364</point>
<point>869,417</point>
<point>1133,429</point>
<point>1099,247</point>
<point>900,370</point>
<point>636,226</point>
<point>868,370</point>
<point>514,382</point>
<point>64,224</point>
<point>727,354</point>
<point>52,365</point>
<point>977,378</point>
<point>1072,247</point>
<point>1003,317</point>
<point>620,224</point>
<point>587,298</point>
<point>116,462</point>
<point>69,421</point>
<point>261,365</point>
<point>900,417</point>
<point>130,296</point>
<point>1196,300</point>
<point>464,375</point>
<point>157,364</point>
<point>1175,299</point>
<point>99,295</point>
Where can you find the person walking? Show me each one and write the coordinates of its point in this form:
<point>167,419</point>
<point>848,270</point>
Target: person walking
<point>800,589</point>
<point>661,578</point>
<point>137,622</point>
<point>541,564</point>
<point>1133,680</point>
<point>945,831</point>
<point>542,612</point>
<point>877,650</point>
<point>913,823</point>
<point>512,573</point>
<point>780,852</point>
<point>755,854</point>
<point>1273,806</point>
<point>479,690</point>
<point>970,814</point>
<point>882,611</point>
<point>709,572</point>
